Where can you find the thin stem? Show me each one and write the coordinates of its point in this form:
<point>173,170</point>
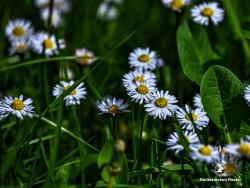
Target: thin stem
<point>51,8</point>
<point>81,147</point>
<point>244,172</point>
<point>183,174</point>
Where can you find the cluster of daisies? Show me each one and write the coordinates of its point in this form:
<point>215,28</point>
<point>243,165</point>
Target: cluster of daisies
<point>226,161</point>
<point>22,38</point>
<point>60,7</point>
<point>108,9</point>
<point>202,13</point>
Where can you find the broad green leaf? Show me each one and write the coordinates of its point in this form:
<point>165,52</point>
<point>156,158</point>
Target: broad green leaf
<point>104,159</point>
<point>221,93</point>
<point>194,51</point>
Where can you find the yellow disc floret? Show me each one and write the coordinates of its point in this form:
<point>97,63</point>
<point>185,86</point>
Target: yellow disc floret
<point>18,31</point>
<point>17,104</point>
<point>244,149</point>
<point>21,47</point>
<point>72,92</point>
<point>205,150</point>
<point>229,169</point>
<point>191,115</point>
<point>142,89</point>
<point>114,109</point>
<point>208,12</point>
<point>177,4</point>
<point>48,44</point>
<point>139,79</point>
<point>161,102</point>
<point>144,58</point>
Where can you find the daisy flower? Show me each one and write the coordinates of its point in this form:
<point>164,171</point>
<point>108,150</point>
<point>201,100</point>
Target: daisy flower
<point>107,12</point>
<point>62,5</point>
<point>140,91</point>
<point>247,94</point>
<point>72,98</point>
<point>19,28</point>
<point>16,106</point>
<point>61,43</point>
<point>176,5</point>
<point>228,166</point>
<point>204,12</point>
<point>197,101</point>
<point>161,105</point>
<point>113,106</point>
<point>143,58</point>
<point>19,46</point>
<point>43,42</point>
<point>139,76</point>
<point>175,143</point>
<point>188,118</point>
<point>204,153</point>
<point>241,150</point>
<point>56,18</point>
<point>84,56</point>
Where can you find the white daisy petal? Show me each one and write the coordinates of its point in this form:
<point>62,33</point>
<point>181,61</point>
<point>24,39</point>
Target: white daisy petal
<point>112,106</point>
<point>204,153</point>
<point>161,105</point>
<point>143,59</point>
<point>18,29</point>
<point>74,97</point>
<point>16,106</point>
<point>176,5</point>
<point>205,12</point>
<point>176,144</point>
<point>84,56</point>
<point>42,41</point>
<point>188,118</point>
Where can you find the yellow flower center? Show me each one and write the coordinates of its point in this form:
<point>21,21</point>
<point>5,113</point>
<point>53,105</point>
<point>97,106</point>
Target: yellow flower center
<point>229,169</point>
<point>139,78</point>
<point>207,12</point>
<point>72,92</point>
<point>191,117</point>
<point>21,46</point>
<point>18,31</point>
<point>244,149</point>
<point>205,150</point>
<point>48,44</point>
<point>17,104</point>
<point>85,59</point>
<point>142,89</point>
<point>161,102</point>
<point>177,4</point>
<point>144,58</point>
<point>114,109</point>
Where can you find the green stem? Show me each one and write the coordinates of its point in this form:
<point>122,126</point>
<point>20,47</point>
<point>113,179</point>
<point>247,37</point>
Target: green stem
<point>81,147</point>
<point>112,128</point>
<point>183,174</point>
<point>227,136</point>
<point>244,172</point>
